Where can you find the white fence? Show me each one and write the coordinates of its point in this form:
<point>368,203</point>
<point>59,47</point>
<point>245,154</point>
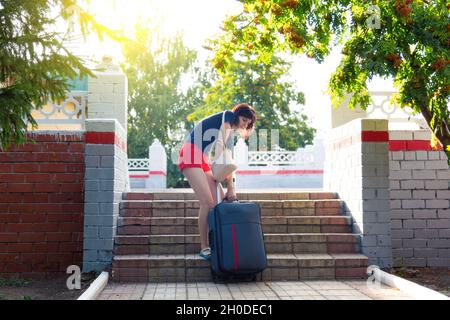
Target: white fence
<point>302,168</point>
<point>279,157</point>
<point>138,164</point>
<point>399,118</point>
<point>67,114</point>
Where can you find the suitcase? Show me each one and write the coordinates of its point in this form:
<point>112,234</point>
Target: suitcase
<point>237,242</point>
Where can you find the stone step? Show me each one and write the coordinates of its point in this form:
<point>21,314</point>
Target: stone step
<point>190,267</point>
<point>271,224</point>
<point>188,194</point>
<point>291,243</point>
<point>189,208</point>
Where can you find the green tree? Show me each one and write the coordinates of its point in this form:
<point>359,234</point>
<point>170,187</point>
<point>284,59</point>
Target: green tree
<point>34,63</point>
<point>264,87</point>
<point>157,105</point>
<point>406,40</point>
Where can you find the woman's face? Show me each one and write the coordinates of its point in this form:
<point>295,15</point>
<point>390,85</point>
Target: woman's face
<point>243,123</point>
<point>242,127</point>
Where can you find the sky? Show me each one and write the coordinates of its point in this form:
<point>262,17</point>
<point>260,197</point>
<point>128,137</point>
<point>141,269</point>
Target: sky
<point>200,20</point>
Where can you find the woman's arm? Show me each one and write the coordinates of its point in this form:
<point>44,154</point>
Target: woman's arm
<point>220,142</point>
<point>248,132</point>
<point>231,193</point>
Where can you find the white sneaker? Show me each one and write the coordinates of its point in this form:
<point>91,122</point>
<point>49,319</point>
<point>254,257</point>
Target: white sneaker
<point>205,253</point>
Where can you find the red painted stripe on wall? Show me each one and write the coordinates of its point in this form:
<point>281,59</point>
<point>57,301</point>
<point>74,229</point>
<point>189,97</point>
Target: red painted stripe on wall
<point>120,143</point>
<point>147,175</point>
<point>105,138</point>
<point>243,172</point>
<point>279,172</point>
<point>383,136</point>
<point>374,136</point>
<point>100,137</point>
<point>412,145</point>
<point>365,136</point>
<point>139,176</point>
<point>397,145</point>
<point>157,173</point>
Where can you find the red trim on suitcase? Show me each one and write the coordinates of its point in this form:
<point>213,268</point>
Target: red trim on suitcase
<point>233,228</point>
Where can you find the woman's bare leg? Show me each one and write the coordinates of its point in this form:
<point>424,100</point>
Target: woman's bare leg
<point>199,182</point>
<point>212,186</point>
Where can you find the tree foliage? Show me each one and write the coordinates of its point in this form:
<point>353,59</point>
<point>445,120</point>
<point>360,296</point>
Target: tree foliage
<point>34,63</point>
<point>268,90</point>
<point>410,44</point>
<point>157,105</point>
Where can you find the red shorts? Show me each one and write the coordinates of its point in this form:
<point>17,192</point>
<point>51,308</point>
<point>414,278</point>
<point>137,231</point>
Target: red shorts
<point>192,157</point>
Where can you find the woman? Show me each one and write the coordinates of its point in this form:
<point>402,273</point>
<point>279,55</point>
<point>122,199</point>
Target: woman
<point>193,161</point>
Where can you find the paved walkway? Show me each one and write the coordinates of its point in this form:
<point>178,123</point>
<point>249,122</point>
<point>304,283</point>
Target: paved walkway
<point>270,290</point>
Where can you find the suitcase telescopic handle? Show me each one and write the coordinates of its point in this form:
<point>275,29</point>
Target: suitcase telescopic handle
<point>219,200</point>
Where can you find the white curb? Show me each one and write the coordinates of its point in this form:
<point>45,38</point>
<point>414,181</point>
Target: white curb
<point>96,287</point>
<point>415,290</point>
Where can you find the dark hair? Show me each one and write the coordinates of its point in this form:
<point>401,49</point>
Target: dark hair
<point>246,111</point>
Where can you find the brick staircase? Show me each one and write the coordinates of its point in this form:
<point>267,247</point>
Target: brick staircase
<point>306,237</point>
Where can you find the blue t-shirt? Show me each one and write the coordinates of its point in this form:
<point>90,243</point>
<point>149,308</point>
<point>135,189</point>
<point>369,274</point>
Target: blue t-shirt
<point>206,131</point>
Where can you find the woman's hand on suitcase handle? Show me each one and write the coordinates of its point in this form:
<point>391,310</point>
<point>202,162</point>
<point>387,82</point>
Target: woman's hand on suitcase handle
<point>227,200</point>
<point>230,200</point>
<point>230,195</point>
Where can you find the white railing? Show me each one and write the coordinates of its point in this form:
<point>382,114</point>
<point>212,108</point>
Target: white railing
<point>279,157</point>
<point>310,155</point>
<point>138,164</point>
<point>279,168</point>
<point>70,111</point>
<point>382,104</point>
<point>254,158</point>
<point>383,108</point>
<point>255,168</point>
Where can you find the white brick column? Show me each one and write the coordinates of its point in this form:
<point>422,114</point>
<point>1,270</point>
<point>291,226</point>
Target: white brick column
<point>106,177</point>
<point>157,171</point>
<point>343,114</point>
<point>357,168</point>
<point>107,94</point>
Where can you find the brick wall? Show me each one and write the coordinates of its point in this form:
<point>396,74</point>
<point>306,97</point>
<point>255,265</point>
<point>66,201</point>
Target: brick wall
<point>420,200</point>
<point>356,167</point>
<point>41,204</point>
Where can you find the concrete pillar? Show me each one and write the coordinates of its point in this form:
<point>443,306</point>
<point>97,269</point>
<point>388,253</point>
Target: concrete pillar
<point>357,168</point>
<point>343,114</point>
<point>105,180</point>
<point>107,93</point>
<point>319,153</point>
<point>157,167</point>
<point>241,153</point>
